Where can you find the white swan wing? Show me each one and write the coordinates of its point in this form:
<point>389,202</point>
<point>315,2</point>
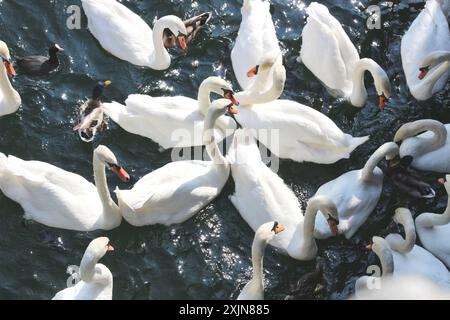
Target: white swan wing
<point>256,37</point>
<point>175,192</point>
<point>50,195</point>
<point>324,36</point>
<point>169,121</point>
<point>298,132</point>
<point>119,30</point>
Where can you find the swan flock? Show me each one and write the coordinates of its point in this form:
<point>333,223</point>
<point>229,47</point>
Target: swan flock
<point>255,117</point>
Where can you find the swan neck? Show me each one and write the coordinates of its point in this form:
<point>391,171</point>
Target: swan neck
<point>389,149</point>
<point>428,144</point>
<point>209,140</point>
<point>258,248</point>
<point>102,187</point>
<point>160,58</point>
<point>436,74</point>
<point>358,96</point>
<point>259,92</point>
<point>397,243</point>
<point>204,101</point>
<point>310,220</point>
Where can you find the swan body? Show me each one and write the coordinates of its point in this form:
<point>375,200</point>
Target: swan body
<point>61,199</point>
<point>411,259</point>
<point>434,230</point>
<point>304,134</point>
<point>172,121</point>
<point>10,100</point>
<point>177,191</point>
<point>430,150</point>
<point>339,68</point>
<point>261,196</point>
<point>428,34</point>
<point>355,193</point>
<point>125,35</point>
<point>256,37</point>
<point>254,289</point>
<point>96,280</point>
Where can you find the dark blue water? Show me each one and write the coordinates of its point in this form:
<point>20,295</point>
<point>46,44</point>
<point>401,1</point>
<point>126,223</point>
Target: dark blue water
<point>208,257</point>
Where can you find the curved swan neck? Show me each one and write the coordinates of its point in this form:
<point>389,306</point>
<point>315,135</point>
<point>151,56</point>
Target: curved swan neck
<point>102,187</point>
<point>204,93</point>
<point>257,95</point>
<point>358,96</point>
<point>160,59</point>
<point>443,62</point>
<point>314,205</point>
<point>258,248</point>
<point>91,271</point>
<point>396,242</point>
<point>427,144</point>
<point>389,150</point>
<point>209,140</point>
<point>429,220</point>
<point>384,253</point>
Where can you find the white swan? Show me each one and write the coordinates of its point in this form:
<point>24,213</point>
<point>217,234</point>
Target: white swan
<point>125,35</point>
<point>355,193</point>
<point>9,98</point>
<point>61,199</point>
<point>254,289</point>
<point>262,196</point>
<point>421,49</point>
<point>96,281</point>
<point>297,132</point>
<point>411,259</point>
<point>177,191</point>
<point>403,287</point>
<point>173,121</point>
<point>430,151</point>
<point>256,37</point>
<point>434,230</point>
<point>339,67</point>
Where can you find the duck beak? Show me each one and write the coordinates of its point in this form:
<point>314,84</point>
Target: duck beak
<point>107,83</point>
<point>369,246</point>
<point>253,72</point>
<point>383,101</point>
<point>423,72</point>
<point>110,248</point>
<point>9,68</point>
<point>121,173</point>
<point>183,44</point>
<point>441,181</point>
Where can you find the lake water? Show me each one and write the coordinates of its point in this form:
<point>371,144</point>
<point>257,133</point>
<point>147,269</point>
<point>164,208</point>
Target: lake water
<point>208,257</point>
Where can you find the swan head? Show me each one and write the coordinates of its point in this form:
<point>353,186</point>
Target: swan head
<point>177,27</point>
<point>328,209</point>
<point>220,87</point>
<point>431,61</point>
<point>220,107</point>
<point>382,249</point>
<point>94,252</point>
<point>268,230</point>
<point>6,59</point>
<point>402,216</point>
<point>267,62</point>
<point>446,182</point>
<point>107,157</point>
<point>383,88</point>
<point>98,89</point>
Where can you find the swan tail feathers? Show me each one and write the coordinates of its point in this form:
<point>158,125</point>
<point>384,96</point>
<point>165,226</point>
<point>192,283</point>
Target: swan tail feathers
<point>356,142</point>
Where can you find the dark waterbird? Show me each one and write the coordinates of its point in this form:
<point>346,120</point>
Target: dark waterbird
<point>40,65</point>
<point>193,26</point>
